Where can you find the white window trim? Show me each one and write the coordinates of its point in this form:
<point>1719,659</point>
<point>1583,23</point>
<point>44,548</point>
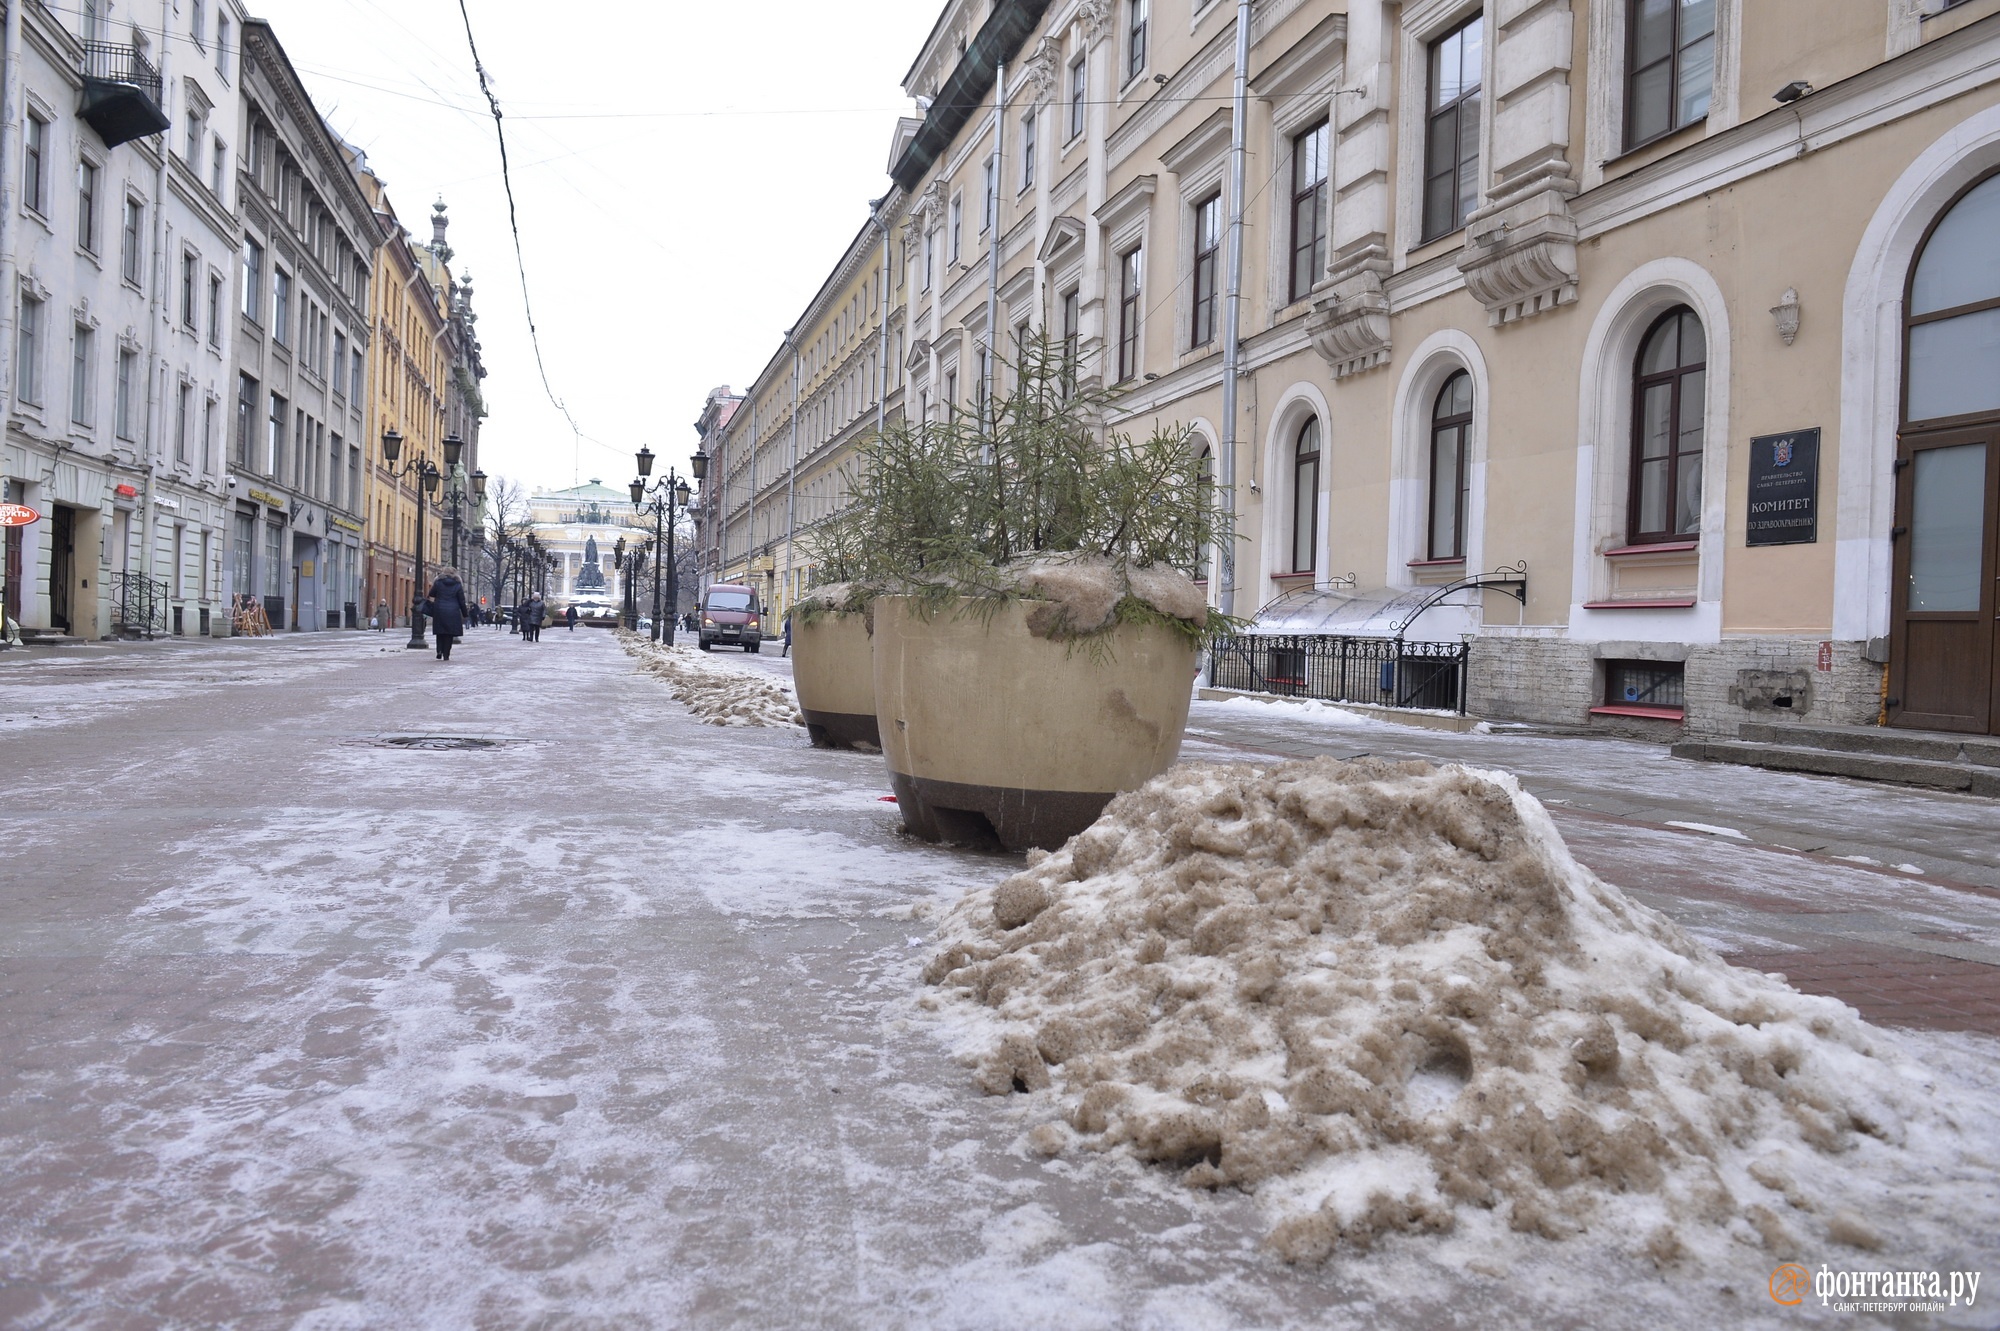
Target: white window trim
<point>1604,447</point>
<point>1297,402</point>
<point>1423,23</point>
<point>1434,361</point>
<point>1604,120</point>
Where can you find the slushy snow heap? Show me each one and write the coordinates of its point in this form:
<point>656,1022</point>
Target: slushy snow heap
<point>720,695</point>
<point>1383,995</point>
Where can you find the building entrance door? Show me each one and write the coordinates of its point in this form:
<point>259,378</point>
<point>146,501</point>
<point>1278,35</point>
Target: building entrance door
<point>62,565</point>
<point>1946,648</point>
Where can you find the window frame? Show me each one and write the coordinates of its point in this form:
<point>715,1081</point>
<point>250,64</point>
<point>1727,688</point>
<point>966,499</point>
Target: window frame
<point>1138,14</point>
<point>1911,322</point>
<point>1207,263</point>
<point>1028,149</point>
<point>253,281</point>
<point>1316,195</point>
<point>132,259</point>
<point>1473,93</point>
<point>190,287</point>
<point>1641,381</point>
<point>1631,71</point>
<point>123,393</point>
<point>89,178</point>
<point>281,301</point>
<point>82,378</point>
<point>1305,495</point>
<point>1079,96</point>
<point>1131,283</point>
<point>1462,423</point>
<point>35,163</point>
<point>28,339</point>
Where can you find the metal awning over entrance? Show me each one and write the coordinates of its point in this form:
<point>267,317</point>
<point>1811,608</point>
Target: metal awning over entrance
<point>1380,612</point>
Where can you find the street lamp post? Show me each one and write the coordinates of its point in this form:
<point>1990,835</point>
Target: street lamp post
<point>669,492</point>
<point>427,477</point>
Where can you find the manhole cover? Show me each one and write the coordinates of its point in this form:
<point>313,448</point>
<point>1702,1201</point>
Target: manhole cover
<point>440,741</point>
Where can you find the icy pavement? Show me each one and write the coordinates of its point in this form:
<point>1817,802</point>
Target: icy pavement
<point>309,1019</point>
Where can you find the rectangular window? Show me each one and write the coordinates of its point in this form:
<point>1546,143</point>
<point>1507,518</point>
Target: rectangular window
<point>86,205</point>
<point>274,442</point>
<point>219,176</point>
<point>197,135</point>
<point>339,356</point>
<point>1451,129</point>
<point>1135,38</point>
<point>184,424</point>
<point>1309,210</point>
<point>122,412</point>
<point>1646,684</point>
<point>1207,244</point>
<point>253,280</point>
<point>354,375</point>
<point>1079,88</point>
<point>957,231</point>
<point>990,207</point>
<point>28,352</point>
<point>1070,324</point>
<point>1128,314</point>
<point>198,23</point>
<point>208,434</point>
<point>246,419</point>
<point>34,165</point>
<point>274,561</point>
<point>190,289</point>
<point>281,306</point>
<point>930,257</point>
<point>1028,150</point>
<point>133,257</point>
<point>1669,64</point>
<point>79,376</point>
<point>244,536</point>
<point>215,309</point>
<point>353,479</point>
<point>222,35</point>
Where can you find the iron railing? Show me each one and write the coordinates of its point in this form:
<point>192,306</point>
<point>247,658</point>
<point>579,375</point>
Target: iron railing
<point>1386,672</point>
<point>138,604</point>
<point>114,62</point>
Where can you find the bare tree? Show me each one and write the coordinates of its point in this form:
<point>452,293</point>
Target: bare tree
<point>507,527</point>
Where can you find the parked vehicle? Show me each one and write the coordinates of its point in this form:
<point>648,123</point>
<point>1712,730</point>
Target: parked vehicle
<point>730,616</point>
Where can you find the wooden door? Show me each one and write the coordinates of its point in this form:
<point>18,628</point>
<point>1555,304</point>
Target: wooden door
<point>1943,651</point>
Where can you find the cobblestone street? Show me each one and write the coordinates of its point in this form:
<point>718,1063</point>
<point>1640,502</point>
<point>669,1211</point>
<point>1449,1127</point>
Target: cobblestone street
<point>340,987</point>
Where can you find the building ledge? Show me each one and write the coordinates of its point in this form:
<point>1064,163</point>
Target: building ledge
<point>1671,603</point>
<point>1655,548</point>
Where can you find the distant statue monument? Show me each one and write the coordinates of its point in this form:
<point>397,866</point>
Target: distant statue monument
<point>590,578</point>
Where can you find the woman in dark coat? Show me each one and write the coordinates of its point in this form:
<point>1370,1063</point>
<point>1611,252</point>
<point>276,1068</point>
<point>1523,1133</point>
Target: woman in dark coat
<point>448,610</point>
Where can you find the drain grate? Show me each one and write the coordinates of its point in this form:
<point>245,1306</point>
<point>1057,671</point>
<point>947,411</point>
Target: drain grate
<point>440,742</point>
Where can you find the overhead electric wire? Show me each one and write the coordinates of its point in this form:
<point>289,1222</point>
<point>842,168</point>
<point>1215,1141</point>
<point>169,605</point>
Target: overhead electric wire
<point>513,220</point>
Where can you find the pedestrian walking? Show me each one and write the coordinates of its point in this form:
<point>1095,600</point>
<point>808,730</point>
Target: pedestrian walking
<point>532,615</point>
<point>448,610</point>
<point>382,616</point>
<point>787,649</point>
<point>569,618</point>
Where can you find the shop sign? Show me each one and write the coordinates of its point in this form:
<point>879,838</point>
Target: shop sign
<point>273,501</point>
<point>1784,489</point>
<point>127,491</point>
<point>17,515</point>
<point>345,524</point>
<point>306,568</point>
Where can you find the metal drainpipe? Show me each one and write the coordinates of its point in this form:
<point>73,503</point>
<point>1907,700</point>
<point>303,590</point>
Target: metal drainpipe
<point>882,308</point>
<point>1232,310</point>
<point>10,194</point>
<point>993,247</point>
<point>792,479</point>
<point>155,369</point>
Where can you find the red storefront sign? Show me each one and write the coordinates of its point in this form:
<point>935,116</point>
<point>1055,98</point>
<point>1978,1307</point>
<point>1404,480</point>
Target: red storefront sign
<point>17,515</point>
<point>127,491</point>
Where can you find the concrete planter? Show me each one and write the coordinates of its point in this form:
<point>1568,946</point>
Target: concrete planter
<point>986,726</point>
<point>835,680</point>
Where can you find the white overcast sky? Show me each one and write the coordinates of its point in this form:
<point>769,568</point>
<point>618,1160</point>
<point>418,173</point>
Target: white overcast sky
<point>686,176</point>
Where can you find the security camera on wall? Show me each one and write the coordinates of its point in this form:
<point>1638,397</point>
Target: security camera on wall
<point>229,481</point>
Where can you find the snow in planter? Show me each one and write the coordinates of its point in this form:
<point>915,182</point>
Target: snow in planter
<point>1382,996</point>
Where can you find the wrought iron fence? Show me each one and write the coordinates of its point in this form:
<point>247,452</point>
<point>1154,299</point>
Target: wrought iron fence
<point>1387,672</point>
<point>113,62</point>
<point>139,604</point>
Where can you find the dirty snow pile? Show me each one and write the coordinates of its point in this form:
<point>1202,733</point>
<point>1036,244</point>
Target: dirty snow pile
<point>1083,591</point>
<point>1383,997</point>
<point>720,695</point>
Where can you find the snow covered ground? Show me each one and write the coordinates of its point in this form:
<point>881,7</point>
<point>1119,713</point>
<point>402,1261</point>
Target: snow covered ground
<point>614,1020</point>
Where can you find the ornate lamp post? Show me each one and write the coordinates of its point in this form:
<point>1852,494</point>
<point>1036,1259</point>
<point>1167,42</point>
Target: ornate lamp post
<point>454,447</point>
<point>427,477</point>
<point>669,492</point>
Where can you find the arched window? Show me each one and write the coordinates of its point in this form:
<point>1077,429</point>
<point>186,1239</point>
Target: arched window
<point>1451,479</point>
<point>1205,495</point>
<point>1305,497</point>
<point>1669,394</point>
<point>1954,312</point>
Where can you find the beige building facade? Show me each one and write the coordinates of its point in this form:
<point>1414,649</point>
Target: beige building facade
<point>1656,328</point>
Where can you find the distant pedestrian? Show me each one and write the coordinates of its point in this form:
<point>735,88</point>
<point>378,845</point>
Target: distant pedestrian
<point>787,649</point>
<point>569,618</point>
<point>382,616</point>
<point>448,609</point>
<point>532,615</point>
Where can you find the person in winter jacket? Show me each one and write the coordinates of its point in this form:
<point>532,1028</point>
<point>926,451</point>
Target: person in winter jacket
<point>533,613</point>
<point>569,618</point>
<point>448,609</point>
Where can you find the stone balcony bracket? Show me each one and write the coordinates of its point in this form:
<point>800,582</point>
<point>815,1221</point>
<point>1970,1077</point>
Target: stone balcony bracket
<point>1349,323</point>
<point>1520,260</point>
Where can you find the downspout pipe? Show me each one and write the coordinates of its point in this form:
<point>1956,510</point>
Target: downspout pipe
<point>882,308</point>
<point>993,246</point>
<point>792,478</point>
<point>1232,309</point>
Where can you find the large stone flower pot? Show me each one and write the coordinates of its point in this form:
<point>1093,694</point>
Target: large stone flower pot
<point>991,730</point>
<point>835,680</point>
